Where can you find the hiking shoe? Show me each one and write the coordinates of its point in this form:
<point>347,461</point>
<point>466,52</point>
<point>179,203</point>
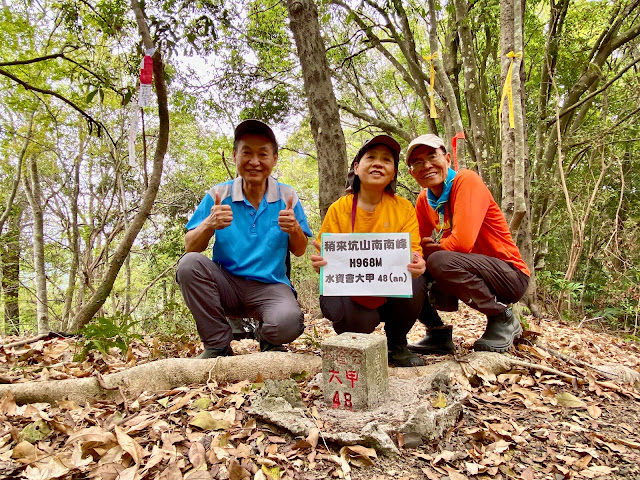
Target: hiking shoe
<point>400,356</point>
<point>216,352</point>
<point>270,347</point>
<point>502,330</point>
<point>437,341</point>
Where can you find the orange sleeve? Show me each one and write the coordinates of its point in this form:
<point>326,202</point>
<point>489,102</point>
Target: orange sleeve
<point>471,202</point>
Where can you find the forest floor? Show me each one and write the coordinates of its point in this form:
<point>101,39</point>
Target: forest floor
<point>525,424</point>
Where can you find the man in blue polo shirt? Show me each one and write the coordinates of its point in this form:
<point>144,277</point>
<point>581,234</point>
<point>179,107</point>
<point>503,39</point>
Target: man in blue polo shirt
<point>256,221</point>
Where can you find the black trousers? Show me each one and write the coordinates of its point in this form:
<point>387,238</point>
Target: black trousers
<point>482,282</point>
<point>398,314</point>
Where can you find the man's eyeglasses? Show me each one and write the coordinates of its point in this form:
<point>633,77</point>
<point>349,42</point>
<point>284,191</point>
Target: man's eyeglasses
<point>420,164</point>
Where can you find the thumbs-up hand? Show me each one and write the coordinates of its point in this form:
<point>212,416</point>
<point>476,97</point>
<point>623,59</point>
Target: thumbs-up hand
<point>287,218</point>
<point>221,215</point>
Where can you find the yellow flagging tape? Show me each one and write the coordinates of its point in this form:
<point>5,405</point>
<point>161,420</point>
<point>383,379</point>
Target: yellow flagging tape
<point>432,106</point>
<point>507,91</point>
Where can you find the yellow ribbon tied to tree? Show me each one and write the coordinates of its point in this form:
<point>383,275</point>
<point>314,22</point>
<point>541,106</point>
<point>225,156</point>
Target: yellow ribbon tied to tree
<point>507,91</point>
<point>432,106</point>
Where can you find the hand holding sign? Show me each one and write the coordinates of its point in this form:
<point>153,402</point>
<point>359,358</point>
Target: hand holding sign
<point>287,218</point>
<point>316,260</point>
<point>417,265</point>
<point>221,215</point>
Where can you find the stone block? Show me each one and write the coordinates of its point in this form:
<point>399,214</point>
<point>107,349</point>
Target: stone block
<point>355,374</point>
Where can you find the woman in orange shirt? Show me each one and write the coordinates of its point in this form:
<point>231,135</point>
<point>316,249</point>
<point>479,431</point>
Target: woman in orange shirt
<point>469,251</point>
<point>372,206</point>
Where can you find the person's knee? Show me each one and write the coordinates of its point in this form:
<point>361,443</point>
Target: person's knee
<point>283,325</point>
<point>437,264</point>
<point>188,265</point>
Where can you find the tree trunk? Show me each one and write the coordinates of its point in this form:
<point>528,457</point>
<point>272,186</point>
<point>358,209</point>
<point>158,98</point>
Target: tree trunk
<point>476,104</point>
<point>449,97</point>
<point>323,107</point>
<point>104,289</point>
<point>74,241</point>
<point>11,272</point>
<point>34,195</point>
<point>515,154</point>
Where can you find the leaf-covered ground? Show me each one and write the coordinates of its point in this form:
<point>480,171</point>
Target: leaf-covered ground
<point>556,418</point>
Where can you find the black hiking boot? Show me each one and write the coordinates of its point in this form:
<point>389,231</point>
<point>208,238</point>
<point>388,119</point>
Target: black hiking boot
<point>400,356</point>
<point>270,347</point>
<point>216,352</point>
<point>502,330</point>
<point>436,341</point>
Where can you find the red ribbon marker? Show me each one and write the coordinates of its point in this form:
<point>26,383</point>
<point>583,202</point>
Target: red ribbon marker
<point>454,148</point>
<point>146,72</point>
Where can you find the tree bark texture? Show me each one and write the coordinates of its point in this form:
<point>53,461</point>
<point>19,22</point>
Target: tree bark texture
<point>122,250</point>
<point>34,196</point>
<point>74,240</point>
<point>165,375</point>
<point>11,272</point>
<point>448,94</point>
<point>476,101</point>
<point>323,106</point>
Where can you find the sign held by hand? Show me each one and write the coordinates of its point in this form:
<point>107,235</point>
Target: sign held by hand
<point>366,264</point>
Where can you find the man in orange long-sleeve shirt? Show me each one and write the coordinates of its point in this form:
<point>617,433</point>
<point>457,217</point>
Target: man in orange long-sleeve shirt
<point>469,250</point>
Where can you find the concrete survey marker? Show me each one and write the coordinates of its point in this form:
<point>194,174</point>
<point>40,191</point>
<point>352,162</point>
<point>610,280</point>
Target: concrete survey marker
<point>355,374</point>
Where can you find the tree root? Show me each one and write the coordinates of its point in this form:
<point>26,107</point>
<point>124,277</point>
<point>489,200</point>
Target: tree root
<point>166,374</point>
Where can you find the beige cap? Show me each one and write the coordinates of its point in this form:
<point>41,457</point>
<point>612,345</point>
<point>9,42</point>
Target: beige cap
<point>428,139</point>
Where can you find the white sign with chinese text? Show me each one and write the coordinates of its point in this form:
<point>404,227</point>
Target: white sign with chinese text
<point>366,264</point>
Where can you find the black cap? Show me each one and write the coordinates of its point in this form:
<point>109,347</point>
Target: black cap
<point>255,127</point>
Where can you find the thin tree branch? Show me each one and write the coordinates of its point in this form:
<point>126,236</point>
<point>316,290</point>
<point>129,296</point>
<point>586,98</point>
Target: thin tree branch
<point>90,120</point>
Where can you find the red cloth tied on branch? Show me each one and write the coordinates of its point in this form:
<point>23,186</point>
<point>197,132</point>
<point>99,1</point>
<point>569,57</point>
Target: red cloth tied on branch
<point>454,148</point>
<point>146,72</point>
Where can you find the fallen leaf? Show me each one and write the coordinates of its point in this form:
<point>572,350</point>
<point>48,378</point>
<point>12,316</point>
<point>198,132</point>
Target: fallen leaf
<point>236,472</point>
<point>528,474</point>
<point>358,455</point>
<point>204,421</point>
<point>129,473</point>
<point>594,410</point>
<point>455,474</point>
<point>440,401</point>
<point>201,403</point>
<point>129,445</point>
<point>271,473</point>
<point>52,467</point>
<point>25,452</point>
<point>312,438</point>
<point>197,456</point>
<point>36,431</point>
<point>568,400</point>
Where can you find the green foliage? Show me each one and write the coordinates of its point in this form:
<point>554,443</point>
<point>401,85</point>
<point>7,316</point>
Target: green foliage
<point>312,339</point>
<point>557,284</point>
<point>105,333</point>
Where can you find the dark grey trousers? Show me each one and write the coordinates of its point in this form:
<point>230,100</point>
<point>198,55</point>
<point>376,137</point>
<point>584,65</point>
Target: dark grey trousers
<point>398,314</point>
<point>212,294</point>
<point>482,282</point>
